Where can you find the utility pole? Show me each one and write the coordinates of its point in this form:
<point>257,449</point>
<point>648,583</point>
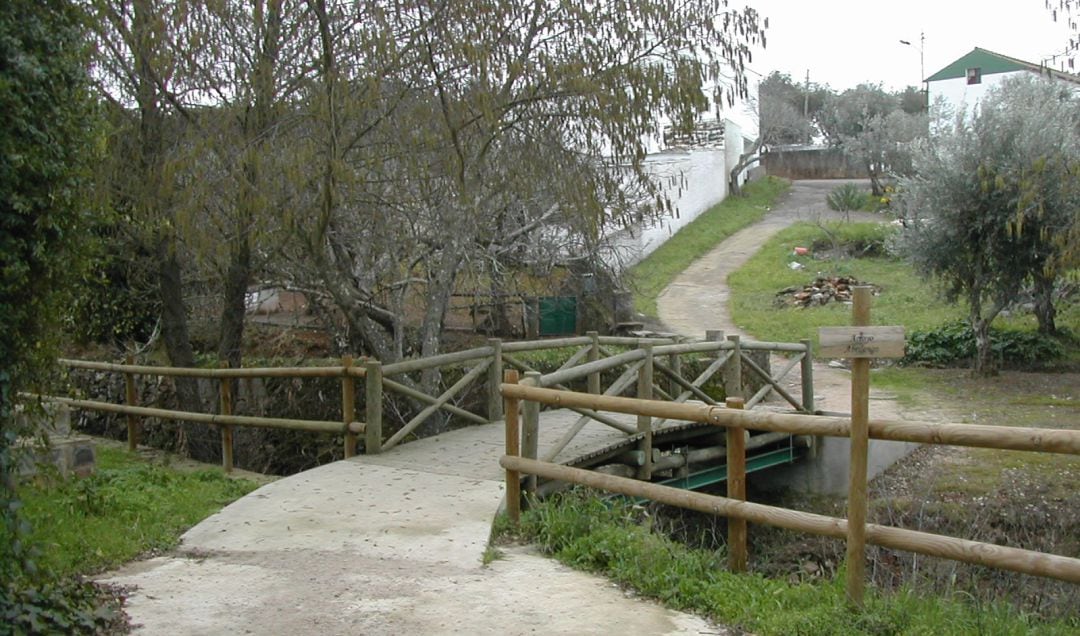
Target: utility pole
<point>806,100</point>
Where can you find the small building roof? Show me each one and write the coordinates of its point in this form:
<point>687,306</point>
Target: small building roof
<point>990,63</point>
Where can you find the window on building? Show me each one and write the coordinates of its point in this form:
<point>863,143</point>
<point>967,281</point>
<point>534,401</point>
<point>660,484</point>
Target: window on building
<point>974,75</point>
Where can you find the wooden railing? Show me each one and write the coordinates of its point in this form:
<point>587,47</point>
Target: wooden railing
<point>594,355</point>
<point>734,505</point>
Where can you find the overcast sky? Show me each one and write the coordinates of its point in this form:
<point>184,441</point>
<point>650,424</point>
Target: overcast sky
<point>845,42</point>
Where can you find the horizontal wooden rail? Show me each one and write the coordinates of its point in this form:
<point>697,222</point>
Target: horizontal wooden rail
<point>190,372</point>
<point>974,435</point>
<point>540,345</point>
<point>319,426</point>
<point>421,364</point>
<point>581,371</point>
<point>988,554</point>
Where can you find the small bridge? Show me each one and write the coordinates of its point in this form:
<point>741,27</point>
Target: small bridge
<point>391,541</point>
<point>689,455</point>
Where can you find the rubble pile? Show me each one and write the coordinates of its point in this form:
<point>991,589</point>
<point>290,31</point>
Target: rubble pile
<point>824,290</point>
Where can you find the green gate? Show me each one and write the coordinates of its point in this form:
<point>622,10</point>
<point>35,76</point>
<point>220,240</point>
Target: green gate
<point>558,315</point>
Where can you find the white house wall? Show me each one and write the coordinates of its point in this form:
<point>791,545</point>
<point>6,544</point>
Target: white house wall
<point>957,91</point>
<point>703,185</point>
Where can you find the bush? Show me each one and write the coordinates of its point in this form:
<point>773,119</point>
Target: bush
<point>845,198</point>
<point>953,344</point>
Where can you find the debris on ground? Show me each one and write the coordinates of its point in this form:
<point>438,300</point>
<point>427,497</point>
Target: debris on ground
<point>822,291</point>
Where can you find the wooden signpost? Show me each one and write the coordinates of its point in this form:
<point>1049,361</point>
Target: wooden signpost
<point>859,343</point>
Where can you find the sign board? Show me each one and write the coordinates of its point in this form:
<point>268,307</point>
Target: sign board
<point>861,342</point>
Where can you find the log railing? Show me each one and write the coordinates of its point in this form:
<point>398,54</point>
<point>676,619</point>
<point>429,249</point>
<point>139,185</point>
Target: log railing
<point>516,462</point>
<point>653,365</point>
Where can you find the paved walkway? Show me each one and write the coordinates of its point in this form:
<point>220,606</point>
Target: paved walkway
<point>385,544</point>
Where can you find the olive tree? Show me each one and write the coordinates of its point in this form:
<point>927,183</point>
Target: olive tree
<point>992,201</point>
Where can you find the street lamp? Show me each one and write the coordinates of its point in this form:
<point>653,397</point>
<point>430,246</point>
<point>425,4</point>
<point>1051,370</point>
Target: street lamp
<point>922,66</point>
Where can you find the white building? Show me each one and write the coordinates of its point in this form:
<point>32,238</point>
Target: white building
<point>693,171</point>
<point>963,83</point>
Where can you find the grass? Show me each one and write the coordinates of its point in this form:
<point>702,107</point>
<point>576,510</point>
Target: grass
<point>617,541</point>
<point>905,298</point>
<point>649,277</point>
<point>126,509</point>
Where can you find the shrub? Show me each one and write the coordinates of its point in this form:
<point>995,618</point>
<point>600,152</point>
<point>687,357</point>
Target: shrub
<point>845,198</point>
<point>953,344</point>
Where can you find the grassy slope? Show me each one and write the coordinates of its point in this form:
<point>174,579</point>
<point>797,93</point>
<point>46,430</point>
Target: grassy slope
<point>127,508</point>
<point>649,277</point>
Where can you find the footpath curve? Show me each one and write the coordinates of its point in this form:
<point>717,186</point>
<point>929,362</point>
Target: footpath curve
<point>697,299</point>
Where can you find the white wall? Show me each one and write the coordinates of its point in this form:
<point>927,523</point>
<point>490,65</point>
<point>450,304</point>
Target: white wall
<point>957,92</point>
<point>703,185</point>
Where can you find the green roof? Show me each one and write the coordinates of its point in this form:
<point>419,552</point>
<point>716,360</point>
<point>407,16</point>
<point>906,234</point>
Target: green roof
<point>988,61</point>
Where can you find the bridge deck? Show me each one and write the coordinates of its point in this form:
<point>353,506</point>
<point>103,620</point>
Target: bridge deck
<point>474,451</point>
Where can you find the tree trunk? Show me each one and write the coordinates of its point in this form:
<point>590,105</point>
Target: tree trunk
<point>174,326</point>
<point>1044,304</point>
<point>230,343</point>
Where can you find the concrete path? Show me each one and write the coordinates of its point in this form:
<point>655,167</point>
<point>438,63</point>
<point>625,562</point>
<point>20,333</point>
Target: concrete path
<point>388,544</point>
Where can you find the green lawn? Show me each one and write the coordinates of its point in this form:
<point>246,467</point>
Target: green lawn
<point>126,509</point>
<point>649,277</point>
<point>905,298</point>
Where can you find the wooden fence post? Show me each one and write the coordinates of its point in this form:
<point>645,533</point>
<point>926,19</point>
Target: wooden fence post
<point>513,449</point>
<point>348,405</point>
<point>733,384</point>
<point>495,376</point>
<point>132,399</point>
<point>594,355</point>
<point>644,422</point>
<point>530,438</point>
<point>808,377</point>
<point>860,415</point>
<point>373,391</point>
<point>736,489</point>
<point>675,364</point>
<point>226,429</point>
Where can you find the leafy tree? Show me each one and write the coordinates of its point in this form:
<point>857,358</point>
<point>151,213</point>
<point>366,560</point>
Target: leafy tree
<point>884,145</point>
<point>460,143</point>
<point>993,199</point>
<point>870,124</point>
<point>779,122</point>
<point>912,100</point>
<point>846,115</point>
<point>47,139</point>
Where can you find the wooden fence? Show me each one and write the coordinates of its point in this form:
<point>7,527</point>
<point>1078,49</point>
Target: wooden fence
<point>654,365</point>
<point>734,505</point>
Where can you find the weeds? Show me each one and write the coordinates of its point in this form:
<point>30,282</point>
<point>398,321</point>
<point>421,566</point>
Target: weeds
<point>125,509</point>
<point>618,540</point>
